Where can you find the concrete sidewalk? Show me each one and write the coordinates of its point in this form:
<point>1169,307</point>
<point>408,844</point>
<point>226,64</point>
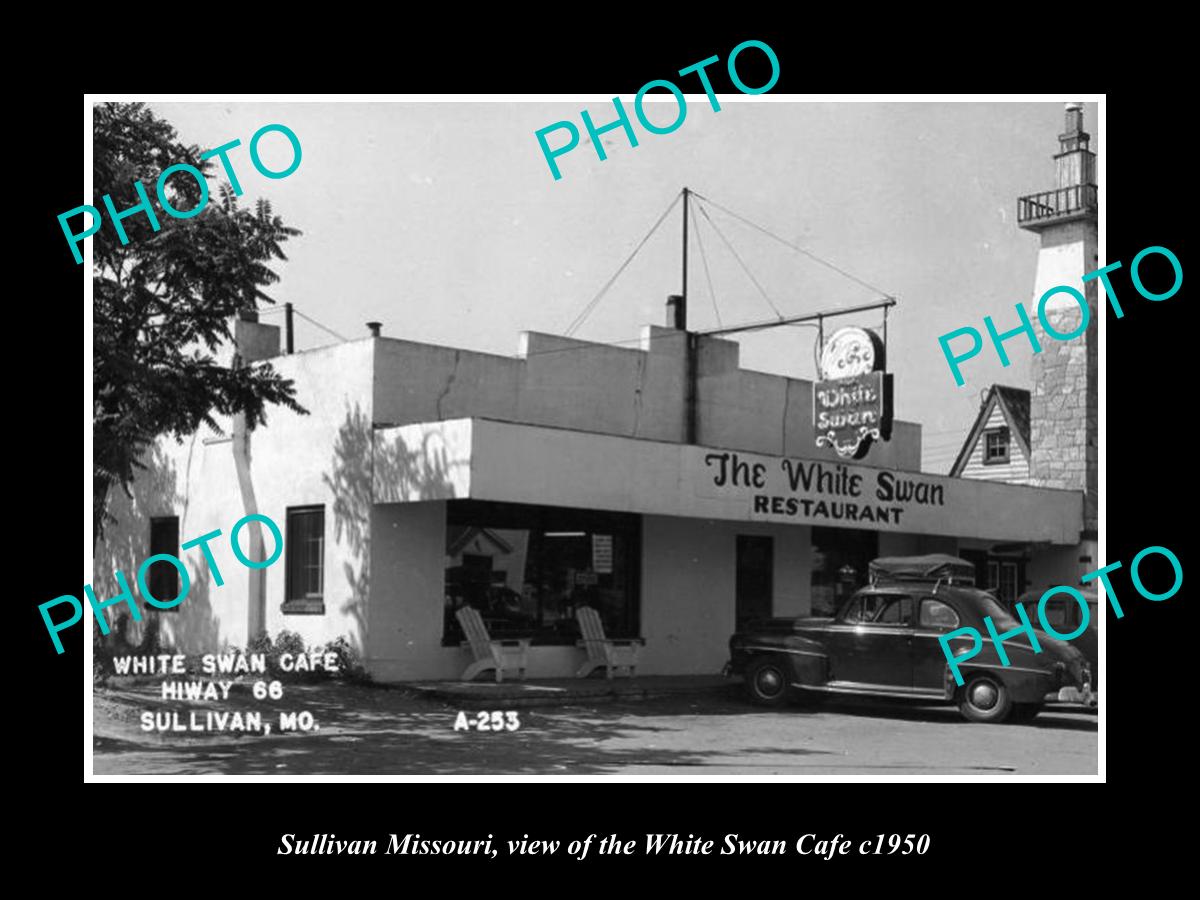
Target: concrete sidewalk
<point>560,691</point>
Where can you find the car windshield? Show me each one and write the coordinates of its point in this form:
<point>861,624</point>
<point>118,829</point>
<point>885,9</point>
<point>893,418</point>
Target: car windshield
<point>1000,616</point>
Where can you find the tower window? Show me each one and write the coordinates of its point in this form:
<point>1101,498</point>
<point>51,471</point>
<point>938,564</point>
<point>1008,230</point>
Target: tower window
<point>995,446</point>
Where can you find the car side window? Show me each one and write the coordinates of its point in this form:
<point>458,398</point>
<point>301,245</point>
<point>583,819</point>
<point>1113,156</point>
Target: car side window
<point>898,611</point>
<point>862,608</point>
<point>936,614</point>
<point>852,611</point>
<point>1058,616</point>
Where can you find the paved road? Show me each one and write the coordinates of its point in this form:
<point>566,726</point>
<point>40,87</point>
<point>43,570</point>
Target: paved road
<point>381,731</point>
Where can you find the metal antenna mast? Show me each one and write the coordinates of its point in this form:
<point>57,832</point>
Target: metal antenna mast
<point>692,339</point>
<point>686,203</point>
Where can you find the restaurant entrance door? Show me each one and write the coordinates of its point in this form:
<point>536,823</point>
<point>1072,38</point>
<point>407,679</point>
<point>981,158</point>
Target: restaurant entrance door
<point>755,562</point>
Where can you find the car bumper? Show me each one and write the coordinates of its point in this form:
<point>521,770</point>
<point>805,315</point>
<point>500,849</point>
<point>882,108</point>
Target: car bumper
<point>1076,696</point>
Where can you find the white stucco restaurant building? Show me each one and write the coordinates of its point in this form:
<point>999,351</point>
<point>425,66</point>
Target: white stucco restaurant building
<point>425,477</point>
<point>664,485</point>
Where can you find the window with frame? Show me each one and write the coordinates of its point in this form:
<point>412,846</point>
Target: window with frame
<point>897,612</point>
<point>163,577</point>
<point>1004,580</point>
<point>527,569</point>
<point>877,609</point>
<point>936,614</point>
<point>995,446</point>
<point>860,609</point>
<point>305,546</point>
<point>1008,582</point>
<point>1058,616</point>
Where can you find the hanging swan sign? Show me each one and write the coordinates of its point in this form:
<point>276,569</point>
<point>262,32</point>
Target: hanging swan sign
<point>852,404</point>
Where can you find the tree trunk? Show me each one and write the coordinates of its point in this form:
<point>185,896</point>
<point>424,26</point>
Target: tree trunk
<point>100,488</point>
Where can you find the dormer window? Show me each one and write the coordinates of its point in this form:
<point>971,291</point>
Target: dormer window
<point>995,446</point>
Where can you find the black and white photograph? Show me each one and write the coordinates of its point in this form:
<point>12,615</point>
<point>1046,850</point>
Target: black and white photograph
<point>702,433</point>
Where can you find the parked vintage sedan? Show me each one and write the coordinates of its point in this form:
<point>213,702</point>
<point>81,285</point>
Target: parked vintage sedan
<point>883,642</point>
<point>1064,615</point>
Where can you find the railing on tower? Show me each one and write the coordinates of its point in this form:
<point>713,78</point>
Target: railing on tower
<point>1053,204</point>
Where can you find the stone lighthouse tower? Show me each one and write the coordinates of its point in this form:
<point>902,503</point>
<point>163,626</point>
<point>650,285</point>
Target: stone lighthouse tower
<point>1063,418</point>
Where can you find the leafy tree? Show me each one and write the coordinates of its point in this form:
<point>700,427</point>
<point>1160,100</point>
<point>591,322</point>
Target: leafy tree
<point>164,300</point>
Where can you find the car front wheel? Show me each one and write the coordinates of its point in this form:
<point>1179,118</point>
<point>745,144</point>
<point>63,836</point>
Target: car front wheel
<point>985,699</point>
<point>767,681</point>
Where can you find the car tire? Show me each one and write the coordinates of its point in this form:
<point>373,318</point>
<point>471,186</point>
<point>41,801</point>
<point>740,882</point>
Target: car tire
<point>1024,713</point>
<point>767,681</point>
<point>984,698</point>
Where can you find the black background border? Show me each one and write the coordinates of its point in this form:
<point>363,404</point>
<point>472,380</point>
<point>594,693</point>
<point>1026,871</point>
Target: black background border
<point>1148,421</point>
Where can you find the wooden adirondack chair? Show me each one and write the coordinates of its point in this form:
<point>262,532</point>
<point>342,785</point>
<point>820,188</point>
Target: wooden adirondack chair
<point>490,654</point>
<point>601,651</point>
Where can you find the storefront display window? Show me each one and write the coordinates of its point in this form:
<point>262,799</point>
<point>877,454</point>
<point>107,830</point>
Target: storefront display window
<point>839,567</point>
<point>528,568</point>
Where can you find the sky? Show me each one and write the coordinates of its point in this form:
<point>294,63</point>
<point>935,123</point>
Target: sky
<point>443,221</point>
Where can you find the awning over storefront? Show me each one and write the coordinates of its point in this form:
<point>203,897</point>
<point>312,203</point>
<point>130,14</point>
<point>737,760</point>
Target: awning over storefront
<point>501,461</point>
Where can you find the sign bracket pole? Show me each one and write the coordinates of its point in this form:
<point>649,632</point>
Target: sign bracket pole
<point>790,320</point>
<point>820,343</point>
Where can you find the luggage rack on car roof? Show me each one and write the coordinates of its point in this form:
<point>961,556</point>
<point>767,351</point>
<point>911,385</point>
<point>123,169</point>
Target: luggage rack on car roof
<point>949,581</point>
<point>939,568</point>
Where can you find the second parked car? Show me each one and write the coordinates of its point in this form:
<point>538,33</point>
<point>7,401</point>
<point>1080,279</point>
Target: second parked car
<point>1064,615</point>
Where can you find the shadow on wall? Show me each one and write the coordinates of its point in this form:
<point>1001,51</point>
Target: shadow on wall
<point>418,472</point>
<point>189,627</point>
